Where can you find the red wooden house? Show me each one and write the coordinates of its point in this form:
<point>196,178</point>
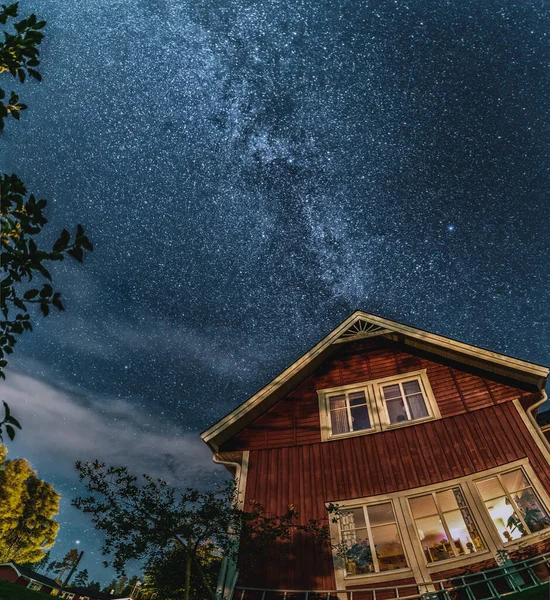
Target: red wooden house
<point>429,446</point>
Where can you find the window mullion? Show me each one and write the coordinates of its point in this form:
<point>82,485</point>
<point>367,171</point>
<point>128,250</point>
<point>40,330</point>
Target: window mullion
<point>348,409</point>
<point>371,542</point>
<point>444,523</point>
<point>405,402</point>
<point>514,505</point>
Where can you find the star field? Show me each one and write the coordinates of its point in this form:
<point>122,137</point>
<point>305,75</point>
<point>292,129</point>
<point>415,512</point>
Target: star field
<point>250,172</point>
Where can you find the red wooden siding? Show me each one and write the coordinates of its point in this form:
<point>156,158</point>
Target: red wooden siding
<point>295,419</point>
<point>309,475</point>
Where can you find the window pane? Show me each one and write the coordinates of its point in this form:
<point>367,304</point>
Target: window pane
<point>531,510</point>
<point>381,514</point>
<point>360,418</point>
<point>423,506</point>
<point>396,411</point>
<point>417,406</point>
<point>463,531</point>
<point>433,539</point>
<point>339,421</point>
<point>490,488</point>
<point>355,536</point>
<point>391,391</point>
<point>337,402</point>
<point>515,481</point>
<point>447,500</point>
<point>357,398</point>
<point>388,547</point>
<point>505,519</point>
<point>411,387</point>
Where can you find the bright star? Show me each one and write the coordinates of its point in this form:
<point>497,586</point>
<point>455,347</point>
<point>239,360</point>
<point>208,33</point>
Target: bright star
<point>450,227</point>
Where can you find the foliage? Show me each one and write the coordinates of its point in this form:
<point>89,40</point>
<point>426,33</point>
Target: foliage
<point>22,216</point>
<point>141,520</point>
<point>166,579</point>
<point>94,585</point>
<point>42,564</point>
<point>81,578</point>
<point>66,564</point>
<point>27,507</point>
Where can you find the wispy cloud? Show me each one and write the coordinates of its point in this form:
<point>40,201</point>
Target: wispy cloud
<point>61,425</point>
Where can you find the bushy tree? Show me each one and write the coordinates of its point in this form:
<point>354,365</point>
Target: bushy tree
<point>27,508</point>
<point>166,579</point>
<point>142,518</point>
<point>22,216</point>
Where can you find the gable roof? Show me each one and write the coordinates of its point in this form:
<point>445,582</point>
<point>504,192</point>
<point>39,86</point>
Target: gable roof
<point>361,325</point>
<point>31,574</point>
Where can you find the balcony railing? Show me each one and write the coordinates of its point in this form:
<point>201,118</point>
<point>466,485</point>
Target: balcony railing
<point>490,584</point>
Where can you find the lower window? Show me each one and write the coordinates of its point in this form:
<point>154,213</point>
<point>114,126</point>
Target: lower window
<point>371,539</point>
<point>513,505</point>
<point>445,525</point>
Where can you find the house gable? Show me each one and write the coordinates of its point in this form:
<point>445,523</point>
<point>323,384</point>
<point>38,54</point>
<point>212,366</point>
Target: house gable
<point>295,419</point>
<point>415,345</point>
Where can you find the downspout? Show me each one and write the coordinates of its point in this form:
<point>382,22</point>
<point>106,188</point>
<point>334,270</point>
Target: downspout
<point>533,420</point>
<point>227,578</point>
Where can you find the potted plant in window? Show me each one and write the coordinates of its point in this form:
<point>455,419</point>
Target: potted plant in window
<point>360,554</point>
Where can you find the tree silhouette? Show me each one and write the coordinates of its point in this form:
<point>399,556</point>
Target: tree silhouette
<point>22,216</point>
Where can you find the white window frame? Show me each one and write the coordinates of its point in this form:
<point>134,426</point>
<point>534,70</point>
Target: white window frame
<point>433,493</point>
<point>376,405</point>
<point>369,527</point>
<point>534,484</point>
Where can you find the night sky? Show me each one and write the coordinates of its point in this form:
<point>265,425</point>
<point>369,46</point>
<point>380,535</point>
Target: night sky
<point>251,172</point>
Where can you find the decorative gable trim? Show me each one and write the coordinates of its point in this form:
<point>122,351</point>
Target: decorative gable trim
<point>361,329</point>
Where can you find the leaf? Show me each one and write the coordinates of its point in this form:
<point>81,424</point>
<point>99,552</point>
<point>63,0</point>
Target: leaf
<point>30,294</point>
<point>62,242</point>
<point>45,309</point>
<point>6,409</point>
<point>14,422</point>
<point>46,290</point>
<point>21,75</point>
<point>77,253</point>
<point>10,431</point>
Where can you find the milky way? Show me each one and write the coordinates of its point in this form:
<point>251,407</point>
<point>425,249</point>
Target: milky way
<point>250,173</point>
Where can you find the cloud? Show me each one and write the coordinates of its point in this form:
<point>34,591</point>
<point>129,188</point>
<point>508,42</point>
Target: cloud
<point>61,425</point>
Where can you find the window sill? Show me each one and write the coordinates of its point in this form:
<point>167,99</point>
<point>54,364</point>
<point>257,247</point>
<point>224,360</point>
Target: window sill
<point>526,540</point>
<point>407,423</point>
<point>383,576</point>
<point>459,561</point>
<point>343,436</point>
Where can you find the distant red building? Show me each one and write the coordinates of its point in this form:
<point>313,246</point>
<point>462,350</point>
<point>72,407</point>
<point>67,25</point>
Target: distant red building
<point>430,447</point>
<point>24,577</point>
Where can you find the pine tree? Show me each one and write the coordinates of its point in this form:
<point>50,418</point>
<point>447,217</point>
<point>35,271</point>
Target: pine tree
<point>94,585</point>
<point>68,561</point>
<point>81,578</point>
<point>27,507</point>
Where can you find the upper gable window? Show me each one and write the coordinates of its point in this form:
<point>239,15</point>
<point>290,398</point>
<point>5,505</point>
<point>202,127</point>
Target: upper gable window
<point>349,412</point>
<point>376,405</point>
<point>404,401</point>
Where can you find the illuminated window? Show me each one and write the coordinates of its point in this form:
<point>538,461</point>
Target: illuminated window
<point>371,539</point>
<point>34,585</point>
<point>445,525</point>
<point>513,505</point>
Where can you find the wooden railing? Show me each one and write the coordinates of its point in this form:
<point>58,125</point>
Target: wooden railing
<point>490,584</point>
